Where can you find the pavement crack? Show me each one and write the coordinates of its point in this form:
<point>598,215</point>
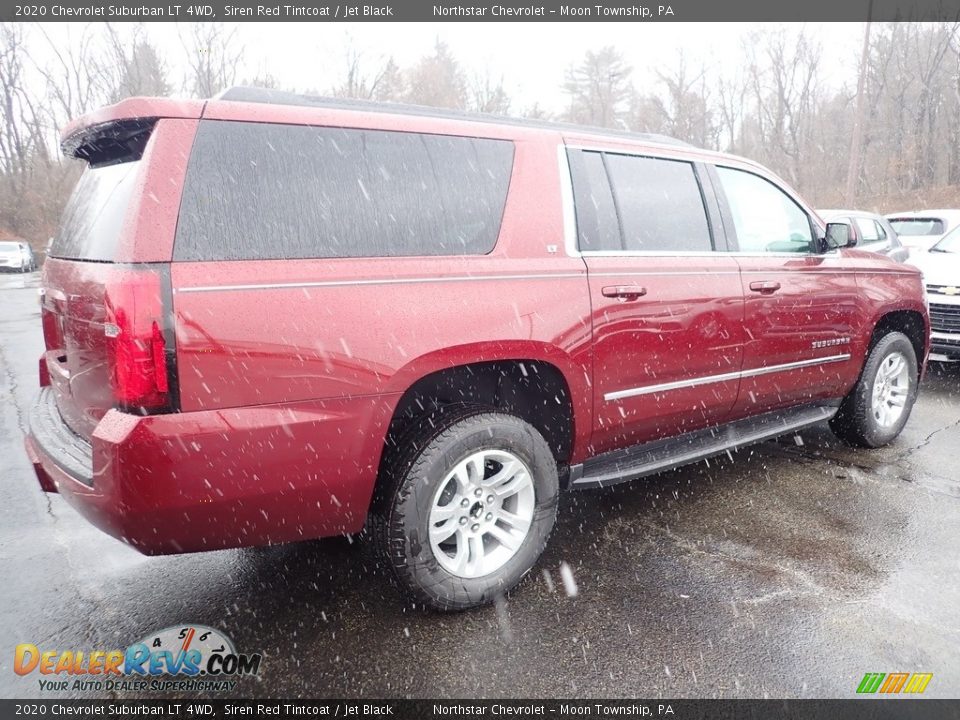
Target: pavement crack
<point>12,382</point>
<point>909,451</point>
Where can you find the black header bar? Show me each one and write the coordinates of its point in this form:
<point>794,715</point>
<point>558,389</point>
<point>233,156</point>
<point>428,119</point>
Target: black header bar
<point>865,709</point>
<point>481,11</point>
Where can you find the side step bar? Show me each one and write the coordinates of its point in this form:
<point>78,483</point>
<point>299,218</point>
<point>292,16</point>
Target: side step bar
<point>662,455</point>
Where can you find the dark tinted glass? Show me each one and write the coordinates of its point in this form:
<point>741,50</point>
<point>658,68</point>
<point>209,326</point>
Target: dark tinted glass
<point>91,223</point>
<point>660,204</point>
<point>596,214</point>
<point>260,191</point>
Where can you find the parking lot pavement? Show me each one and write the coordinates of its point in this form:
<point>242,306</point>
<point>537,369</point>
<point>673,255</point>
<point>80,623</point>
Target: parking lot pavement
<point>789,569</point>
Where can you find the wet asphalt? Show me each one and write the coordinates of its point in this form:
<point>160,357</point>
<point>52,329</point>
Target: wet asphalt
<point>788,570</point>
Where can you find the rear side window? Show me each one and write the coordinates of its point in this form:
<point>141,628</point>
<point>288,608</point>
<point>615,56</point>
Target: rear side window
<point>91,223</point>
<point>635,204</point>
<point>870,230</point>
<point>660,204</point>
<point>265,191</point>
<point>597,224</point>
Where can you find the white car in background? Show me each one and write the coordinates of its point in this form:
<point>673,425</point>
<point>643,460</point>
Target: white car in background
<point>17,255</point>
<point>919,230</point>
<point>941,273</point>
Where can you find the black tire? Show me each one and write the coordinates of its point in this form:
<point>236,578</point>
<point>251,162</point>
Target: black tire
<point>856,421</point>
<point>400,516</point>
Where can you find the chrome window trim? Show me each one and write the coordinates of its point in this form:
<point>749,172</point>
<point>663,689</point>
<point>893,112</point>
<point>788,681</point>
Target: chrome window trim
<point>661,152</point>
<point>709,379</point>
<point>567,204</point>
<point>384,281</point>
<point>641,273</point>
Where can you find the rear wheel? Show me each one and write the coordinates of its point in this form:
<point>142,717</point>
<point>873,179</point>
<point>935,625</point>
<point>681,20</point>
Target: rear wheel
<point>877,408</point>
<point>468,510</point>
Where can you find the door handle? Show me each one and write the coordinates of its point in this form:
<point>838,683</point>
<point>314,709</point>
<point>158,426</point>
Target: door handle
<point>765,286</point>
<point>624,292</point>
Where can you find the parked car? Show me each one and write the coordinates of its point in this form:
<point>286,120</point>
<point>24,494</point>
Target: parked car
<point>941,270</point>
<point>919,230</point>
<point>17,255</point>
<point>271,317</point>
<point>874,232</point>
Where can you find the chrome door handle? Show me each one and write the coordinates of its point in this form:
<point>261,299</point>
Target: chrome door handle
<point>765,286</point>
<point>624,292</point>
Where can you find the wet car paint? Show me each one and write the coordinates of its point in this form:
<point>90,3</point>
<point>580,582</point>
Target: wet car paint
<point>784,570</point>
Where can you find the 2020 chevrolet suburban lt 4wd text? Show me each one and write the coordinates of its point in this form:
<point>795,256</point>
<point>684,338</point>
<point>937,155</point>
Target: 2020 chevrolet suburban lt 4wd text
<point>270,318</point>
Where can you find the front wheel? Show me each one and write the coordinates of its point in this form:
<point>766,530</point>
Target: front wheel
<point>877,408</point>
<point>470,510</point>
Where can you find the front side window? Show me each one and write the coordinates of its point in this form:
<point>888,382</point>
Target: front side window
<point>765,218</point>
<point>870,231</point>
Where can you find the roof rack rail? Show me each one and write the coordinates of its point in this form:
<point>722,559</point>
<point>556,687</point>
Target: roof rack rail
<point>269,96</point>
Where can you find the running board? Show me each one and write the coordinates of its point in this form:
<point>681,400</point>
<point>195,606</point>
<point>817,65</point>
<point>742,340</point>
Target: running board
<point>662,455</point>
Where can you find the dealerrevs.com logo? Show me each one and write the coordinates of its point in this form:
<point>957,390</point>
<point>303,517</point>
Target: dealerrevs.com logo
<point>177,658</point>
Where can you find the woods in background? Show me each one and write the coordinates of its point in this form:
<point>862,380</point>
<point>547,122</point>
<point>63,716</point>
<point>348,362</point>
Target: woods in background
<point>775,106</point>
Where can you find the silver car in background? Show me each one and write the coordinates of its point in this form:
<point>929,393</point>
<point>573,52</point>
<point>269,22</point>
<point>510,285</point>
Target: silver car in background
<point>874,232</point>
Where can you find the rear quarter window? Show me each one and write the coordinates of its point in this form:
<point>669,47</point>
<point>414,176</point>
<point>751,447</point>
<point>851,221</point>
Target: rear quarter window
<point>91,223</point>
<point>267,191</point>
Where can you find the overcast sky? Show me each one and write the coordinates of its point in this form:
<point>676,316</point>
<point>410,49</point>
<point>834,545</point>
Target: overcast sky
<point>531,57</point>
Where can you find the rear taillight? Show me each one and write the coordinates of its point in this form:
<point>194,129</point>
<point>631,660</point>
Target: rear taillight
<point>139,339</point>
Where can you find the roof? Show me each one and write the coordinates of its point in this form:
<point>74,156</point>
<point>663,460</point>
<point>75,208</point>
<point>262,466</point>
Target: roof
<point>831,212</point>
<point>949,213</point>
<point>280,97</point>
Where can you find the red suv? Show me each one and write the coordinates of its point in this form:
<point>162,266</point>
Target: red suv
<point>271,317</point>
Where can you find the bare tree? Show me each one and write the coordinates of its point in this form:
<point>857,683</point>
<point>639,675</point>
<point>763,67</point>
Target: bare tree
<point>78,77</point>
<point>213,57</point>
<point>489,96</point>
<point>359,81</point>
<point>21,134</point>
<point>729,106</point>
<point>784,78</point>
<point>688,114</point>
<point>856,139</point>
<point>136,64</point>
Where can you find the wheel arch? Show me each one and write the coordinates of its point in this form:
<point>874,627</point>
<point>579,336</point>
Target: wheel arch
<point>542,391</point>
<point>909,321</point>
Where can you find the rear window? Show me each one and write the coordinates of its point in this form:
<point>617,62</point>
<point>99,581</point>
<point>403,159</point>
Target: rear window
<point>265,191</point>
<point>918,226</point>
<point>91,223</point>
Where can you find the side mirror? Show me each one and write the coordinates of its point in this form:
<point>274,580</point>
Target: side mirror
<point>839,235</point>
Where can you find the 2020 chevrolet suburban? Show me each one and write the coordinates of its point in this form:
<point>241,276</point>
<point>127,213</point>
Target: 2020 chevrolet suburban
<point>271,317</point>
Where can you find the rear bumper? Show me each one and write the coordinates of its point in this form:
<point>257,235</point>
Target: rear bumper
<point>208,480</point>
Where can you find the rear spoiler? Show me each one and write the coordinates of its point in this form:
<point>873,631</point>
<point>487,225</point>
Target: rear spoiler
<point>118,133</point>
